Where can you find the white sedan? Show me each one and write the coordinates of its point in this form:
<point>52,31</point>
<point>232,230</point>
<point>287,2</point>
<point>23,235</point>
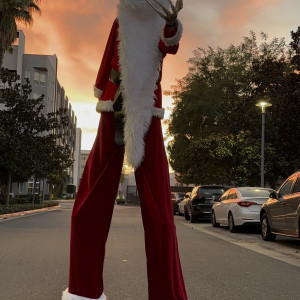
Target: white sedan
<point>182,203</point>
<point>239,206</point>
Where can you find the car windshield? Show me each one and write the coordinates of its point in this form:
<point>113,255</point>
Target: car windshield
<point>177,195</point>
<point>209,192</point>
<point>256,193</point>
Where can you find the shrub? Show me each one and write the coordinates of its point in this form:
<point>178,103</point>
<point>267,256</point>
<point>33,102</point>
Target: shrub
<point>24,207</point>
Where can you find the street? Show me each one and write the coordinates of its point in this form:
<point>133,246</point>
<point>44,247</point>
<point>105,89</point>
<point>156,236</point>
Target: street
<point>216,264</point>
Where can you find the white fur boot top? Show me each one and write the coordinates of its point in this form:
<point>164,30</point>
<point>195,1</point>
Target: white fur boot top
<point>67,296</point>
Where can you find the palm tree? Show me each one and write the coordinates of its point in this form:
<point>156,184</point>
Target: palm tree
<point>11,12</point>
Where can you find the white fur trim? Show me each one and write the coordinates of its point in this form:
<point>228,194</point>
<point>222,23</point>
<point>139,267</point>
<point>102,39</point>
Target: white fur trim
<point>174,40</point>
<point>105,106</point>
<point>140,65</point>
<point>67,296</point>
<point>97,92</point>
<point>158,112</point>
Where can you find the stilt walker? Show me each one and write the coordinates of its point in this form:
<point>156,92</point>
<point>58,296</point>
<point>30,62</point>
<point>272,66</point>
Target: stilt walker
<point>130,102</point>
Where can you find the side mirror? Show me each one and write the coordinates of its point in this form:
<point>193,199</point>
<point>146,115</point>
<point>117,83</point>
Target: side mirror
<point>273,195</point>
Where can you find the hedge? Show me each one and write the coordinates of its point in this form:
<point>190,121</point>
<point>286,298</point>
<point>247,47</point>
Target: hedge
<point>25,207</point>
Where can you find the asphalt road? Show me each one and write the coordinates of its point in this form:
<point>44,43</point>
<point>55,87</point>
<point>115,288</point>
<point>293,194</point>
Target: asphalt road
<point>216,264</point>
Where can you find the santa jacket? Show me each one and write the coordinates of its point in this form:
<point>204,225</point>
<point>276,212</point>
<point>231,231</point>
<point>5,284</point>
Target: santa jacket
<point>118,75</point>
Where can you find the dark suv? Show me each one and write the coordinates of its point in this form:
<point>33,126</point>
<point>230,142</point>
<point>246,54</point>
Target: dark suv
<point>201,201</point>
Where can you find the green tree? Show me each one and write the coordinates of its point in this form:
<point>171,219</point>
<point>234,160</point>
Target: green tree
<point>215,124</point>
<point>11,12</point>
<point>27,137</point>
<point>50,160</point>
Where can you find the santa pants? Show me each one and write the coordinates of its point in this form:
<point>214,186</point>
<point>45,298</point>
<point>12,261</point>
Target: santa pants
<point>93,210</point>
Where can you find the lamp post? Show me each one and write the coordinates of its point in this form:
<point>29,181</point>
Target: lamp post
<point>263,105</point>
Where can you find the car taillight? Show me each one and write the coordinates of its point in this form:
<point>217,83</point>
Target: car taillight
<point>246,203</point>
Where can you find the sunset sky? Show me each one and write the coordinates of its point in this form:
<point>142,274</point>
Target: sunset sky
<point>77,30</point>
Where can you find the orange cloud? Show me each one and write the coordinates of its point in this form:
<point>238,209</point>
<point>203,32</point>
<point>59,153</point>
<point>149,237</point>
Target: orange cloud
<point>76,31</point>
<point>240,12</point>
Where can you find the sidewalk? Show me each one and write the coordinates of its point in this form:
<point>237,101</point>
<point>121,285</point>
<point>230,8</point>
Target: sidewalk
<point>28,212</point>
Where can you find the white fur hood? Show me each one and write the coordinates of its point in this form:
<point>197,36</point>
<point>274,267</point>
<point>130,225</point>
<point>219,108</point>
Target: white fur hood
<point>140,64</point>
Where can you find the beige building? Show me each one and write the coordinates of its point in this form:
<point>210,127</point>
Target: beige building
<point>83,158</point>
<point>41,70</point>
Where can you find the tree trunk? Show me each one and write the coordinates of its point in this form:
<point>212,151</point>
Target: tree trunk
<point>43,191</point>
<point>8,188</point>
<point>33,191</point>
<point>1,57</point>
<point>39,191</point>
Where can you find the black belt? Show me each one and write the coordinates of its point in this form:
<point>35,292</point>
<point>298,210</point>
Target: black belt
<point>118,108</point>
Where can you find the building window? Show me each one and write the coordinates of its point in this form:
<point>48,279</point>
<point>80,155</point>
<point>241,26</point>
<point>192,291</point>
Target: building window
<point>39,78</point>
<point>21,187</point>
<point>36,95</point>
<point>27,75</point>
<point>30,186</point>
<point>42,79</point>
<point>36,77</point>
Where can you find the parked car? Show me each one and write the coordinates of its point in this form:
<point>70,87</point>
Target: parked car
<point>182,203</point>
<point>239,206</point>
<point>176,198</point>
<point>281,213</point>
<point>201,201</point>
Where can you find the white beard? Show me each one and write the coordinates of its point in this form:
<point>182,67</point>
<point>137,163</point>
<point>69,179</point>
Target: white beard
<point>140,8</point>
<point>140,63</point>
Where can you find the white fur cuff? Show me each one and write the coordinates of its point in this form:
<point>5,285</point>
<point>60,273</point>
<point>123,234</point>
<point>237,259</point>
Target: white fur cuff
<point>97,92</point>
<point>67,296</point>
<point>158,112</point>
<point>174,40</point>
<point>105,106</point>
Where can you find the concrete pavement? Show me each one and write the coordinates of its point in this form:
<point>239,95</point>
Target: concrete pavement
<point>34,254</point>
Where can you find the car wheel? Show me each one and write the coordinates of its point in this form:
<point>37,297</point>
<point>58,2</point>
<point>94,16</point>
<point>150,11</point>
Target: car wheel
<point>179,213</point>
<point>232,227</point>
<point>266,233</point>
<point>193,218</point>
<point>213,220</point>
<point>186,214</point>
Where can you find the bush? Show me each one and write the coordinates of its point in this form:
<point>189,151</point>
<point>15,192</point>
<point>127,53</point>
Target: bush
<point>24,207</point>
<point>120,201</point>
<point>22,200</point>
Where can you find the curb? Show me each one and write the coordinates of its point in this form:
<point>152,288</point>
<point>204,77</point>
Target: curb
<point>28,212</point>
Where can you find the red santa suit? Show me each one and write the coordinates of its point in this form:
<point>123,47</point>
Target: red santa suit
<point>131,67</point>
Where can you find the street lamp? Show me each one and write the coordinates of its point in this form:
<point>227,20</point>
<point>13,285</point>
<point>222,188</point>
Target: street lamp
<point>263,104</point>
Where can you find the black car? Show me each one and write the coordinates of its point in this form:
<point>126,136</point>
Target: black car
<point>201,201</point>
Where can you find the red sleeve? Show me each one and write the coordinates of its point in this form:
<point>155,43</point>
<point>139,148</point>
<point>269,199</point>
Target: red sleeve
<point>105,67</point>
<point>169,42</point>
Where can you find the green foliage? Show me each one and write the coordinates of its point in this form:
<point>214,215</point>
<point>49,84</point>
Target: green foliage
<point>71,189</point>
<point>28,138</point>
<point>11,12</point>
<point>215,124</point>
<point>25,207</point>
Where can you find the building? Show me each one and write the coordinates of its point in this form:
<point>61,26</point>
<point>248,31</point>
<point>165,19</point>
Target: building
<point>41,70</point>
<point>77,157</point>
<point>84,156</point>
